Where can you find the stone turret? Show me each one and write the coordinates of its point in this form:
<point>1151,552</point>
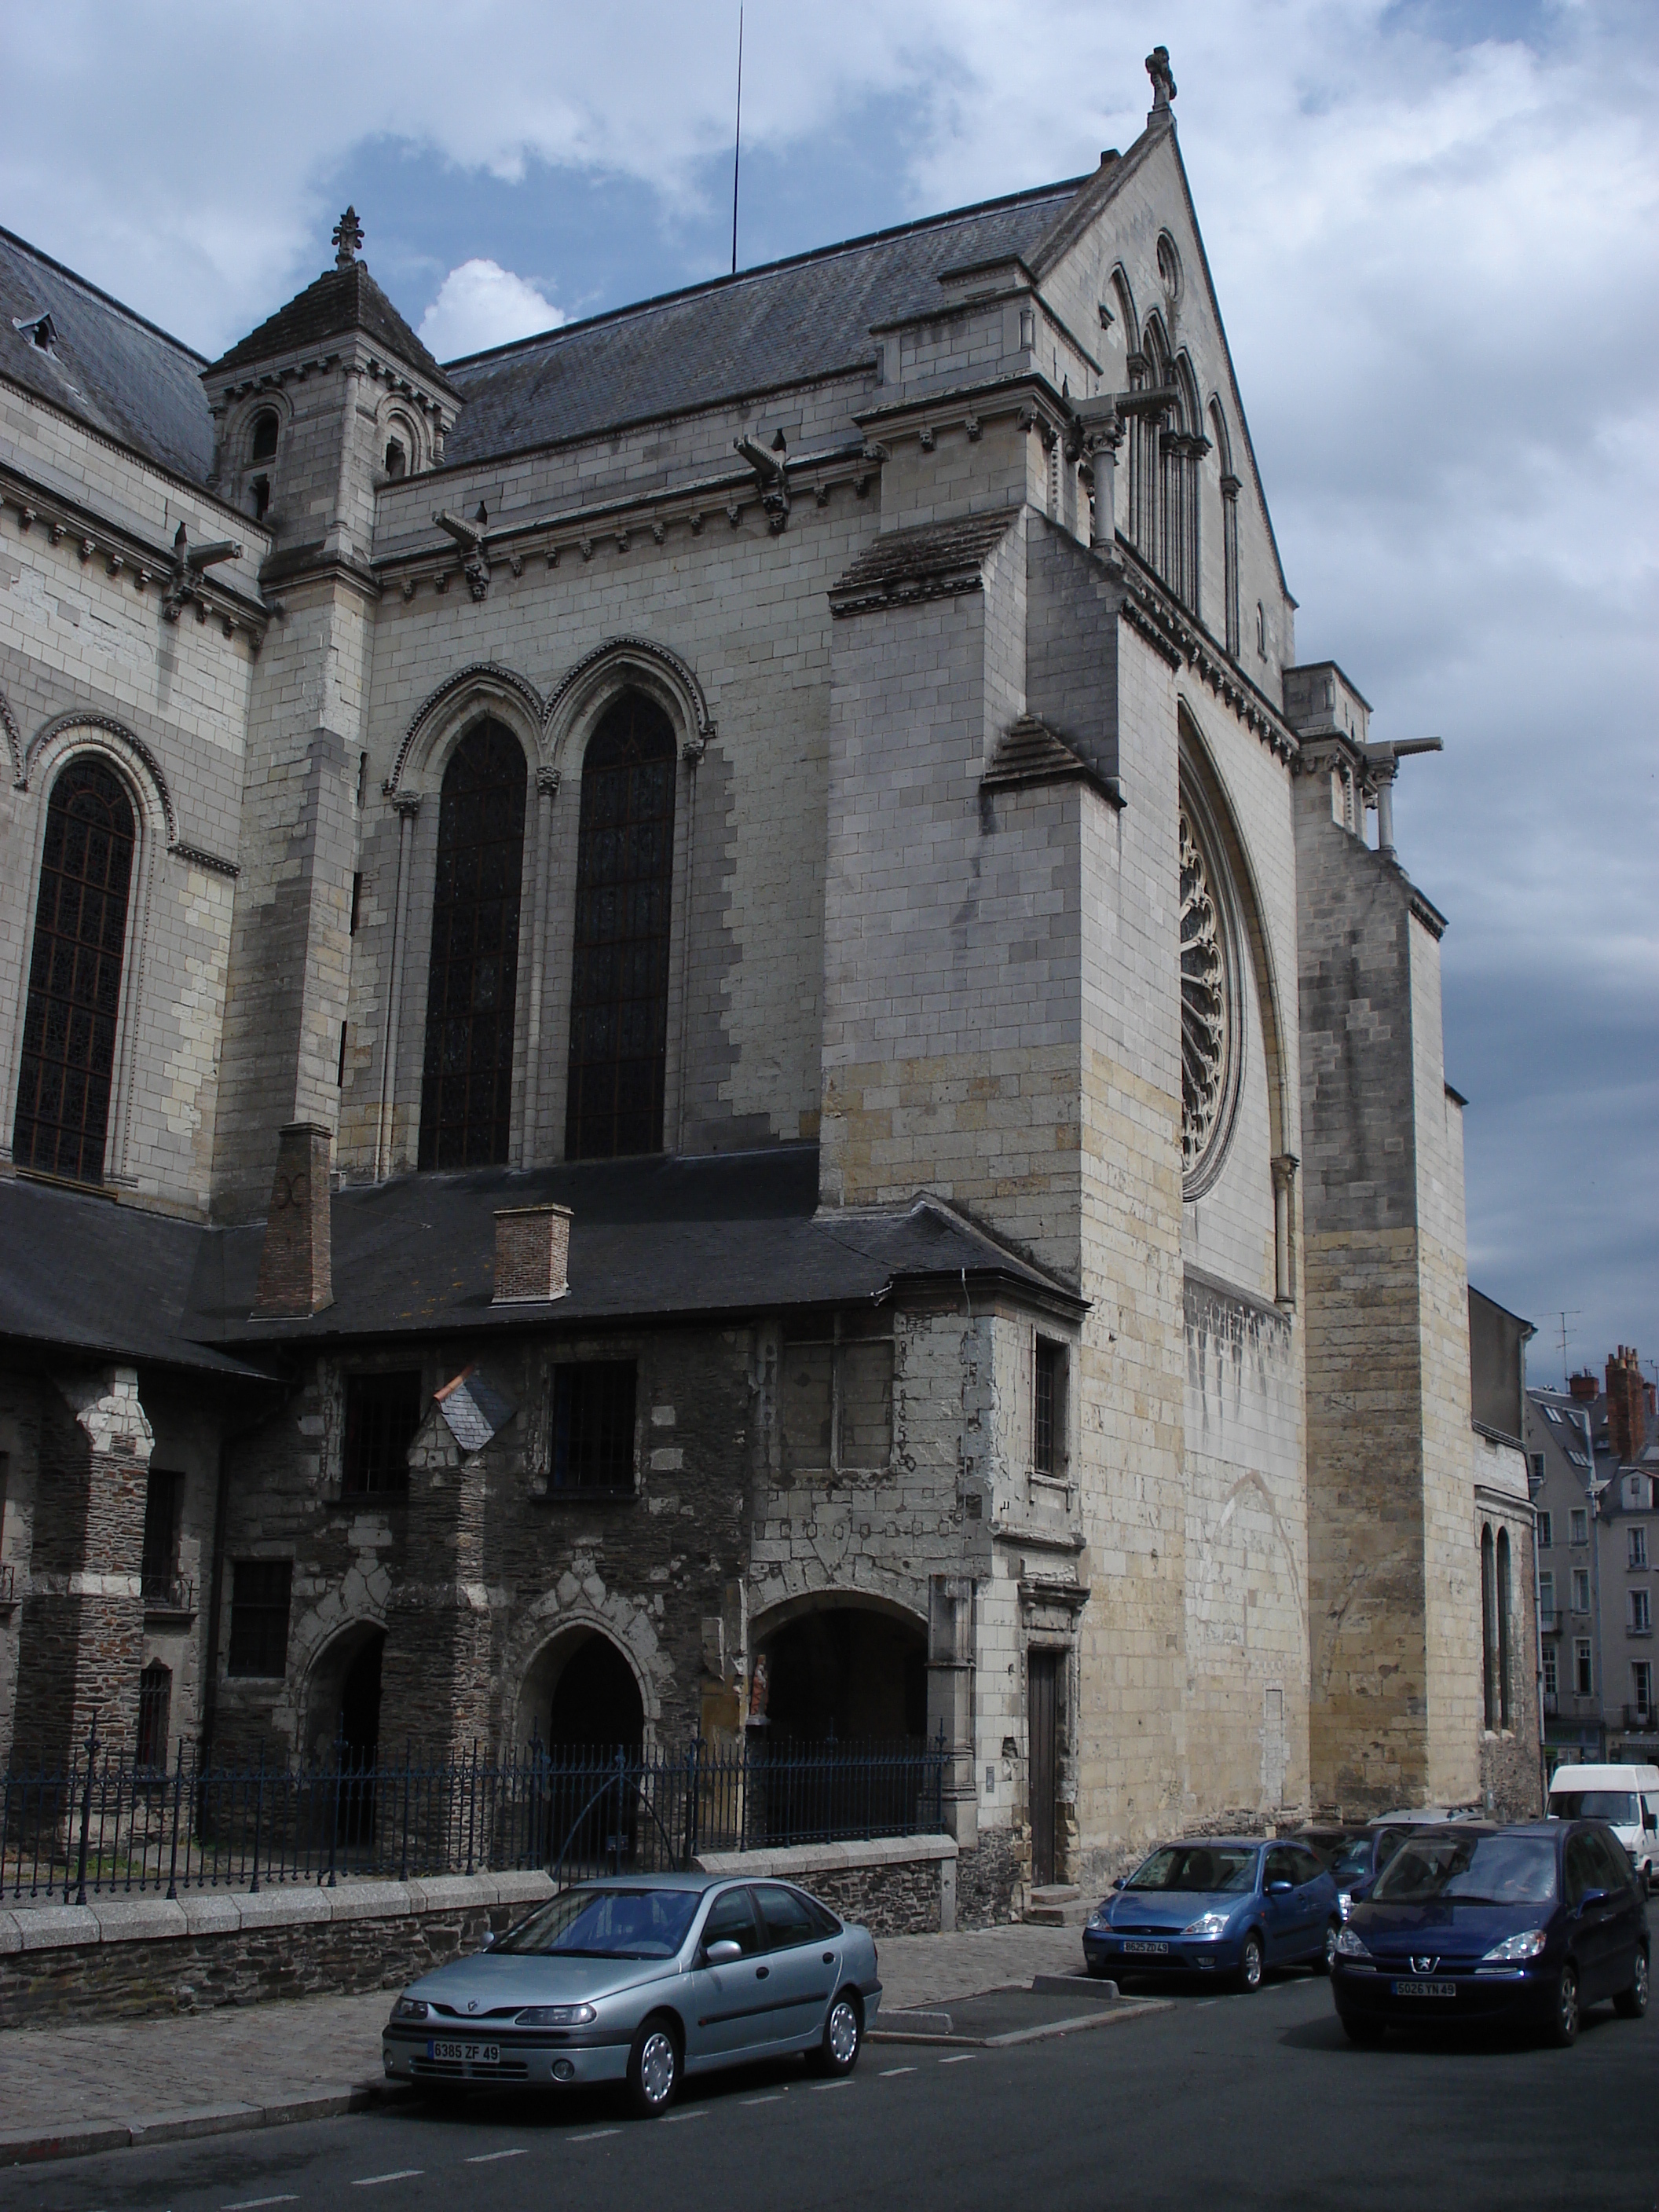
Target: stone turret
<point>332,398</point>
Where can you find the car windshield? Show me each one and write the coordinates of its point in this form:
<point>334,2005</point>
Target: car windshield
<point>606,1924</point>
<point>1473,1870</point>
<point>1616,1805</point>
<point>1354,1858</point>
<point>1206,1867</point>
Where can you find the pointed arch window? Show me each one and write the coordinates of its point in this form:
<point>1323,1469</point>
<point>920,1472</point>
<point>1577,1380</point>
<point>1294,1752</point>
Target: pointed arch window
<point>75,976</point>
<point>619,989</point>
<point>466,1082</point>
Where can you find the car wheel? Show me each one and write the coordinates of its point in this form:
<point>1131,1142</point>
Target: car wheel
<point>836,2052</point>
<point>1360,2029</point>
<point>1328,1949</point>
<point>1564,2012</point>
<point>1632,2003</point>
<point>654,2069</point>
<point>1250,1964</point>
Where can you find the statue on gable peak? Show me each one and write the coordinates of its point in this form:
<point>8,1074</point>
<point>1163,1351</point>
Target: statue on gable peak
<point>1163,83</point>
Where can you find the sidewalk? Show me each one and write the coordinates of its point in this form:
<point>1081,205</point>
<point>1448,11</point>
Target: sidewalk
<point>65,2091</point>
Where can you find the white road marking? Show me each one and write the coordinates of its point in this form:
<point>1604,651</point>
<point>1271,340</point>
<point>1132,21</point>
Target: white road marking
<point>482,2158</point>
<point>595,2135</point>
<point>892,2070</point>
<point>959,2058</point>
<point>403,2173</point>
<point>776,2097</point>
<point>701,2113</point>
<point>832,2085</point>
<point>253,2203</point>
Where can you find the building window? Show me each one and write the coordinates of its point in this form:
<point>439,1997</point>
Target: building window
<point>75,976</point>
<point>1547,1602</point>
<point>1582,1676</point>
<point>163,1498</point>
<point>267,428</point>
<point>1553,1413</point>
<point>1261,631</point>
<point>1049,1408</point>
<point>259,1592</point>
<point>1504,1716</point>
<point>1536,1461</point>
<point>835,1403</point>
<point>1549,1670</point>
<point>259,498</point>
<point>1581,1589</point>
<point>397,460</point>
<point>155,1702</point>
<point>1638,1548</point>
<point>1641,1686</point>
<point>1545,1530</point>
<point>466,1083</point>
<point>382,1414</point>
<point>593,1426</point>
<point>619,986</point>
<point>1641,1612</point>
<point>1578,1525</point>
<point>1489,1630</point>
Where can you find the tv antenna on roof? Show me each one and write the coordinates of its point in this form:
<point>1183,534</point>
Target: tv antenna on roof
<point>737,147</point>
<point>1570,1313</point>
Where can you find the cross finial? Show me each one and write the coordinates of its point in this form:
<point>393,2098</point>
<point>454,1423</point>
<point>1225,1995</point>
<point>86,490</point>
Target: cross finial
<point>1163,83</point>
<point>348,235</point>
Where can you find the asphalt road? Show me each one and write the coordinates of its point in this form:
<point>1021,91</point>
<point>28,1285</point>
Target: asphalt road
<point>1233,2102</point>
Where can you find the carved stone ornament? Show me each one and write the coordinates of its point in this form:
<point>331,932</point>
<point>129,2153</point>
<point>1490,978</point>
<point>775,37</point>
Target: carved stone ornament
<point>1205,1027</point>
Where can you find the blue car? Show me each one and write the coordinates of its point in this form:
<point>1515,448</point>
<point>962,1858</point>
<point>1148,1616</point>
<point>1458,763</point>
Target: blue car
<point>1474,1923</point>
<point>1227,1906</point>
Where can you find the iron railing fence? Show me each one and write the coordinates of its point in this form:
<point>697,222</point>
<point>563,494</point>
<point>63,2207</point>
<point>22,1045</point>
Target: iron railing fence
<point>106,1826</point>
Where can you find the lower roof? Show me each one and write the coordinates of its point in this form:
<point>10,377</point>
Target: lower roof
<point>726,1235</point>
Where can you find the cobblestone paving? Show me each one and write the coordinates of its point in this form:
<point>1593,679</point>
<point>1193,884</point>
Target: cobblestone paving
<point>60,2078</point>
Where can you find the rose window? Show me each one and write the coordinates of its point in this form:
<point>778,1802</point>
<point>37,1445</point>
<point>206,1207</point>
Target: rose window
<point>1205,1040</point>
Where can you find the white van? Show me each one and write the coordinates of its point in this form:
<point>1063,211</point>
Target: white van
<point>1625,1797</point>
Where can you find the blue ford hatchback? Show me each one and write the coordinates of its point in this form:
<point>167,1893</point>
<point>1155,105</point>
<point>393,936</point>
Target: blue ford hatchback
<point>1230,1906</point>
<point>1529,1924</point>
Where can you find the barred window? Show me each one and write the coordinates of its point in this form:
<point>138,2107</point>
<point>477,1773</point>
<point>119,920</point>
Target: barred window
<point>466,1081</point>
<point>162,1500</point>
<point>593,1426</point>
<point>259,1591</point>
<point>382,1413</point>
<point>155,1705</point>
<point>68,1059</point>
<point>619,988</point>
<point>1049,1408</point>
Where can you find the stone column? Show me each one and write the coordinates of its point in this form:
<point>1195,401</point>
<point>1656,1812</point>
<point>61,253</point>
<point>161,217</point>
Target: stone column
<point>408,806</point>
<point>295,1263</point>
<point>81,1650</point>
<point>547,790</point>
<point>436,1675</point>
<point>951,1698</point>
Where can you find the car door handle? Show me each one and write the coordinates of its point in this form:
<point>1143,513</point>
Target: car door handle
<point>760,1972</point>
<point>829,1958</point>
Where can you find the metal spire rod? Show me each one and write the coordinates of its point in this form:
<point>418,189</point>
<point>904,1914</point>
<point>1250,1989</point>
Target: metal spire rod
<point>737,147</point>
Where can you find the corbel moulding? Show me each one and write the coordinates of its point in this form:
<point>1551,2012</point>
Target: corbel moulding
<point>1019,289</point>
<point>128,740</point>
<point>1151,610</point>
<point>123,552</point>
<point>357,360</point>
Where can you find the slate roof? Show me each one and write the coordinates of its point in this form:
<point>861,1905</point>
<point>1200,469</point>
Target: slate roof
<point>779,325</point>
<point>108,366</point>
<point>934,554</point>
<point>650,1241</point>
<point>1029,752</point>
<point>341,300</point>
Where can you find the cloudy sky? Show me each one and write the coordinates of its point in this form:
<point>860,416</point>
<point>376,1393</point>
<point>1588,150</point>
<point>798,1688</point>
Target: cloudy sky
<point>1434,226</point>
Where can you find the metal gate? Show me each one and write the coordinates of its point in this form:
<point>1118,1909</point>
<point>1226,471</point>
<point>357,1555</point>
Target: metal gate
<point>1043,1669</point>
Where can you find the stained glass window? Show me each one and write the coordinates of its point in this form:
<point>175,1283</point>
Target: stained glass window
<point>619,992</point>
<point>466,1085</point>
<point>75,976</point>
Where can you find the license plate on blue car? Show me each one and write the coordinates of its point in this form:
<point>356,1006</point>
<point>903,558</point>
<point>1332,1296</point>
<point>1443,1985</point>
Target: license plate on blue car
<point>1425,1989</point>
<point>1146,1950</point>
<point>475,2054</point>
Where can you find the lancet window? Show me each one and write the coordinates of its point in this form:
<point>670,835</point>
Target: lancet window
<point>75,976</point>
<point>619,989</point>
<point>466,1082</point>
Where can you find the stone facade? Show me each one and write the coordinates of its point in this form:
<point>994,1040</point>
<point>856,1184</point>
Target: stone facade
<point>1014,866</point>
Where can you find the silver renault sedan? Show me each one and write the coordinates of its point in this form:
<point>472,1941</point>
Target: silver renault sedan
<point>645,1980</point>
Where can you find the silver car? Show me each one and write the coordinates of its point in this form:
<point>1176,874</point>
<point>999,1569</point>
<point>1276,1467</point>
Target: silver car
<point>645,1981</point>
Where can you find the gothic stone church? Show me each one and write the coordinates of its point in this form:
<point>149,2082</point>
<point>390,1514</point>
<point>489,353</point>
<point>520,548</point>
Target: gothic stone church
<point>696,1021</point>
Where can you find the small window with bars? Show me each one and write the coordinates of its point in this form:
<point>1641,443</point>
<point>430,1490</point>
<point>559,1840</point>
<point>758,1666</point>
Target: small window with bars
<point>259,1595</point>
<point>593,1440</point>
<point>154,1709</point>
<point>162,1500</point>
<point>382,1414</point>
<point>1049,1408</point>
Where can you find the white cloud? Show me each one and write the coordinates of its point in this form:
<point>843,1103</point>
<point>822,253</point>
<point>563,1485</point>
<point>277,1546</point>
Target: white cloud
<point>481,305</point>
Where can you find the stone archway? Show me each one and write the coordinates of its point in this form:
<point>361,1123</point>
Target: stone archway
<point>846,1671</point>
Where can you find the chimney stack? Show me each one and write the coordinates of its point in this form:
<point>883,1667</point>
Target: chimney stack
<point>1582,1388</point>
<point>1626,1426</point>
<point>295,1269</point>
<point>532,1255</point>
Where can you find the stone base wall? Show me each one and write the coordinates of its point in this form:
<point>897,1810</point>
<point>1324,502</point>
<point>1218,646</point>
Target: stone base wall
<point>992,1878</point>
<point>894,1886</point>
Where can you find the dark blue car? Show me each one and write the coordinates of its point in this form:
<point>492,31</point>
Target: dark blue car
<point>1227,1906</point>
<point>1467,1923</point>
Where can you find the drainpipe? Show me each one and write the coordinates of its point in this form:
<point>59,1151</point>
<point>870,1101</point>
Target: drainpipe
<point>1598,1677</point>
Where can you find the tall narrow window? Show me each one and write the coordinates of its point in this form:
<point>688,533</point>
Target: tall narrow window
<point>1049,1408</point>
<point>619,992</point>
<point>160,1562</point>
<point>1488,1631</point>
<point>1505,1597</point>
<point>466,1083</point>
<point>155,1700</point>
<point>75,976</point>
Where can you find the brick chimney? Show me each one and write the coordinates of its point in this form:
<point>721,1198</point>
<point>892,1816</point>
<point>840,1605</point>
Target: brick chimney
<point>1627,1395</point>
<point>532,1255</point>
<point>295,1270</point>
<point>1582,1387</point>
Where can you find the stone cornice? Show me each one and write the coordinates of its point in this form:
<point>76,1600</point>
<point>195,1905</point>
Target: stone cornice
<point>1151,609</point>
<point>147,462</point>
<point>351,352</point>
<point>123,552</point>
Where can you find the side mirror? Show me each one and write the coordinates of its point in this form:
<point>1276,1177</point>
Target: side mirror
<point>489,1940</point>
<point>1279,1888</point>
<point>1592,1897</point>
<point>1118,1884</point>
<point>724,1953</point>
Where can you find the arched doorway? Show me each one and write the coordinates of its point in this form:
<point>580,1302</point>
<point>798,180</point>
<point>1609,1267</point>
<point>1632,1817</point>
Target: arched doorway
<point>595,1702</point>
<point>583,1716</point>
<point>846,1672</point>
<point>343,1725</point>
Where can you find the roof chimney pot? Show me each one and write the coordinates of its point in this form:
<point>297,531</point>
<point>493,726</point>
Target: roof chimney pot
<point>532,1255</point>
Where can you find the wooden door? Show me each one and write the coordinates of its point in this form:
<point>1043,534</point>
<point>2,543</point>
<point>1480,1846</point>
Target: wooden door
<point>1043,1715</point>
